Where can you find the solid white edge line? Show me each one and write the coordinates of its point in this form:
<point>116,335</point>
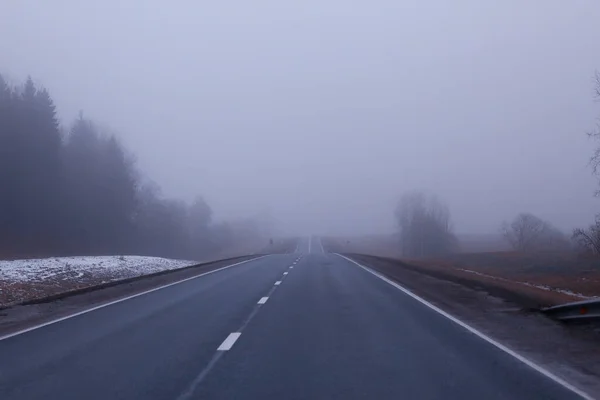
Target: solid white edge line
<point>229,341</point>
<point>32,328</point>
<point>263,300</point>
<point>481,335</point>
<point>277,283</point>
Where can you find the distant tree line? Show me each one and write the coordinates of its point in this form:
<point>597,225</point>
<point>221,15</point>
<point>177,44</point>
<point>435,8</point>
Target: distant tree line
<point>588,239</point>
<point>425,229</point>
<point>77,191</point>
<point>528,232</point>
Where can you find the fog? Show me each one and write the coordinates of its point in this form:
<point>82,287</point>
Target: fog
<point>322,113</point>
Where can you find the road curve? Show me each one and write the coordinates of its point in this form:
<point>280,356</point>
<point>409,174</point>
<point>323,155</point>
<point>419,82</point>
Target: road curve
<point>308,325</point>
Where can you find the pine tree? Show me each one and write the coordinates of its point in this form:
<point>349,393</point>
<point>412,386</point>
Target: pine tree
<point>81,174</point>
<point>7,167</point>
<point>118,193</point>
<point>37,147</point>
<point>50,184</point>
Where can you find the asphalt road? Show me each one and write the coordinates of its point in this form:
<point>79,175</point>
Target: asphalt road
<point>308,325</point>
<point>310,245</point>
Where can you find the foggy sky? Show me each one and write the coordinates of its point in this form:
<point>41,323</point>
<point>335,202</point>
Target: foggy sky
<point>324,112</point>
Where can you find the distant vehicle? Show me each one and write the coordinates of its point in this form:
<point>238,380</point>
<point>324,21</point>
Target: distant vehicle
<point>271,242</point>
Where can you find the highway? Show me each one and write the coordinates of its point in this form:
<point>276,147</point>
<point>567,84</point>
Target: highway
<point>307,325</point>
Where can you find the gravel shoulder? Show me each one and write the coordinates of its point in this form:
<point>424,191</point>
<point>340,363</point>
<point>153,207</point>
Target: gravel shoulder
<point>506,315</point>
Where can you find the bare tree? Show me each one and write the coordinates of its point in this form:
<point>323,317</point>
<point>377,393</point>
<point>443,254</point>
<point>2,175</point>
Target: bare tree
<point>589,239</point>
<point>595,133</point>
<point>530,233</point>
<point>424,223</point>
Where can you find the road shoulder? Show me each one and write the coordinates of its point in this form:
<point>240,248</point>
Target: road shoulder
<point>571,354</point>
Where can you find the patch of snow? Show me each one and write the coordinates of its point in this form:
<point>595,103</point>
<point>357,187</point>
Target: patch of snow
<point>534,285</point>
<point>74,268</point>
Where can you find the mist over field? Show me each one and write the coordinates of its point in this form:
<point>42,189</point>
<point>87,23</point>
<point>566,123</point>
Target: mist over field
<point>320,115</point>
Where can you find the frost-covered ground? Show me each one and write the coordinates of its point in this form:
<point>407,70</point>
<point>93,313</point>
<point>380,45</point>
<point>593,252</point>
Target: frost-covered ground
<point>32,278</point>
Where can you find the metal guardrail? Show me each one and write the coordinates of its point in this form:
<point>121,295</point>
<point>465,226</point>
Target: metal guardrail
<point>580,310</point>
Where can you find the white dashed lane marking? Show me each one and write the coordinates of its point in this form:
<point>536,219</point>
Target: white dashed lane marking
<point>226,345</point>
<point>229,341</point>
<point>110,303</point>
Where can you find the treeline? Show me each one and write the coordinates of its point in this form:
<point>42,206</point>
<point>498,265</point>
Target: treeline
<point>77,191</point>
<point>425,229</point>
<point>530,233</point>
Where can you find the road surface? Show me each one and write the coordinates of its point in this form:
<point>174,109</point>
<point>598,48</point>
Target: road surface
<point>310,245</point>
<point>307,325</point>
